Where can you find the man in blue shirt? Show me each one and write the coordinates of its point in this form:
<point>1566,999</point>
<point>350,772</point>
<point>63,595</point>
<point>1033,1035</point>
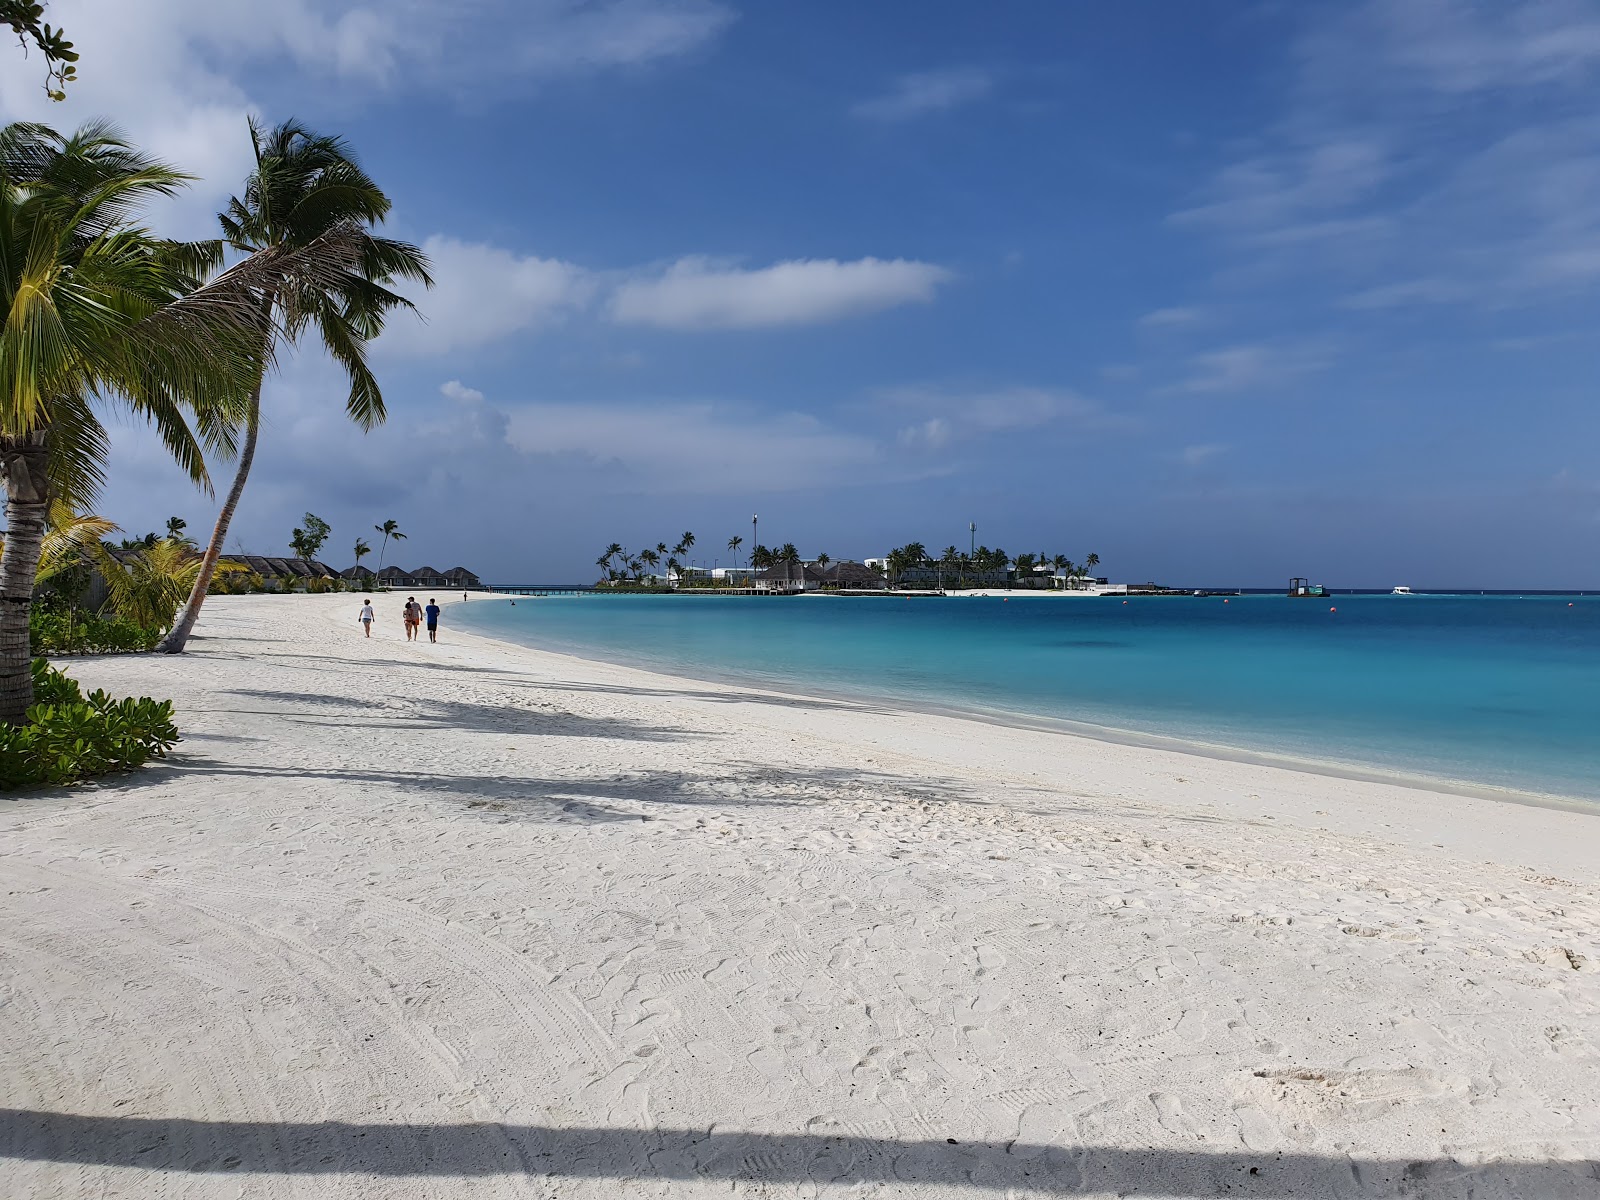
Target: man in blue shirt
<point>432,613</point>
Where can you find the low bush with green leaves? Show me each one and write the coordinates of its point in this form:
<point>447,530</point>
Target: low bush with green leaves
<point>69,737</point>
<point>61,630</point>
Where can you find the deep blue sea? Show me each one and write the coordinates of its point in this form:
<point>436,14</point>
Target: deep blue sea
<point>1502,692</point>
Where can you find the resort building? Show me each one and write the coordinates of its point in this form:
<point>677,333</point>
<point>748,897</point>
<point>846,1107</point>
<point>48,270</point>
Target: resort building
<point>808,577</point>
<point>292,570</point>
<point>422,577</point>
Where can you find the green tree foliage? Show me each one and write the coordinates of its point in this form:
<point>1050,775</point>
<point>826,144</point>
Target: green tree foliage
<point>68,737</point>
<point>26,19</point>
<point>307,541</point>
<point>96,312</point>
<point>309,206</point>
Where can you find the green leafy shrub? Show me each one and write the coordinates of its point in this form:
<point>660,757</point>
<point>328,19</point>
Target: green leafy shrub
<point>318,586</point>
<point>69,737</point>
<point>53,630</point>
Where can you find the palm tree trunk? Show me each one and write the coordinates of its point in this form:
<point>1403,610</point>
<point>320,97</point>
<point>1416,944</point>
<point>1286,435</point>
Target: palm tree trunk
<point>24,466</point>
<point>184,626</point>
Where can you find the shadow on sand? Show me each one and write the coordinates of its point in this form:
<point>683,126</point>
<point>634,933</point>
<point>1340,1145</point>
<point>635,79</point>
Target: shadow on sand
<point>622,797</point>
<point>538,1152</point>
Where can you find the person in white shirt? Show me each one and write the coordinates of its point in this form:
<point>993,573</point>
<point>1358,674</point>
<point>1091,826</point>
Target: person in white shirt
<point>368,616</point>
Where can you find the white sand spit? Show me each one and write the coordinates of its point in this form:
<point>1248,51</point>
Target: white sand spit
<point>468,920</point>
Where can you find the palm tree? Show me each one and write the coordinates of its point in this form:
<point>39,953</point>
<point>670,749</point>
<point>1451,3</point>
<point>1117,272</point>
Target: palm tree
<point>308,202</point>
<point>67,537</point>
<point>823,560</point>
<point>650,558</point>
<point>149,587</point>
<point>1090,563</point>
<point>94,310</point>
<point>733,548</point>
<point>362,550</point>
<point>175,528</point>
<point>389,529</point>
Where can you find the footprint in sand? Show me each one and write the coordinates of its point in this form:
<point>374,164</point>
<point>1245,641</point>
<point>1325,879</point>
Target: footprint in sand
<point>1171,1117</point>
<point>1256,1130</point>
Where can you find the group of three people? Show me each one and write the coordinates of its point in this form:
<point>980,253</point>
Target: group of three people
<point>413,614</point>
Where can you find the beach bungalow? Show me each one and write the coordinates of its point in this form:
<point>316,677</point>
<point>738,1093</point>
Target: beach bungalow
<point>460,577</point>
<point>392,576</point>
<point>851,577</point>
<point>789,577</point>
<point>358,574</point>
<point>290,570</point>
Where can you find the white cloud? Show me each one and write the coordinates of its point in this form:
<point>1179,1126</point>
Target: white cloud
<point>1170,318</point>
<point>947,415</point>
<point>483,293</point>
<point>456,390</point>
<point>181,75</point>
<point>932,434</point>
<point>927,92</point>
<point>1194,456</point>
<point>696,293</point>
<point>1429,151</point>
<point>677,446</point>
<point>1252,367</point>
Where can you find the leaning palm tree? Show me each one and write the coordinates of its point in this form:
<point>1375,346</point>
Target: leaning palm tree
<point>308,200</point>
<point>389,529</point>
<point>361,551</point>
<point>95,311</point>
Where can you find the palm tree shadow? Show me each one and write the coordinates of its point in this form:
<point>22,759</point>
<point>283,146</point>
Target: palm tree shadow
<point>623,797</point>
<point>436,713</point>
<point>534,1152</point>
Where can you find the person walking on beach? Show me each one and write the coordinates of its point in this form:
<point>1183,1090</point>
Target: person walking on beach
<point>413,618</point>
<point>433,619</point>
<point>368,616</point>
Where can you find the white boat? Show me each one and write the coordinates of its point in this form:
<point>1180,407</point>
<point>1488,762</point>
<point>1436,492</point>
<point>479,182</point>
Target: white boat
<point>1401,591</point>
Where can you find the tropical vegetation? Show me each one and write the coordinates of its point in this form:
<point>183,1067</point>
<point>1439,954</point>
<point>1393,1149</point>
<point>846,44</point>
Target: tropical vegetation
<point>307,542</point>
<point>67,736</point>
<point>26,19</point>
<point>389,529</point>
<point>96,312</point>
<point>308,211</point>
<point>908,565</point>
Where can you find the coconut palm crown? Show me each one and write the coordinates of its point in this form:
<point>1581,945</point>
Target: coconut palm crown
<point>308,200</point>
<point>95,312</point>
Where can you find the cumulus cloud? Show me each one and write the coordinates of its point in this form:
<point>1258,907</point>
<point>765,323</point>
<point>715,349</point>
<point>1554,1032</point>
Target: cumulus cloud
<point>483,293</point>
<point>926,92</point>
<point>699,294</point>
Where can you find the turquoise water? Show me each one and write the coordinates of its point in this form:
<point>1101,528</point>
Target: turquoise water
<point>1494,691</point>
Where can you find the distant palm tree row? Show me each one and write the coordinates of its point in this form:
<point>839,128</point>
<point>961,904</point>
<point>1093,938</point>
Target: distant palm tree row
<point>619,565</point>
<point>908,563</point>
<point>983,565</point>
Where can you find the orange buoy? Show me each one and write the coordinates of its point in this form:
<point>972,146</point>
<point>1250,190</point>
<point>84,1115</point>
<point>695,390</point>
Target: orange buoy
<point>1224,601</point>
<point>1333,610</point>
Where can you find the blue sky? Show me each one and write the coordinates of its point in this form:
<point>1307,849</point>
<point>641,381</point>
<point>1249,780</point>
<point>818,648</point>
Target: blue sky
<point>1223,292</point>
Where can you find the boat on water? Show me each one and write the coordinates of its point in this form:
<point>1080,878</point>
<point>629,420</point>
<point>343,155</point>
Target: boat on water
<point>1402,591</point>
<point>1302,589</point>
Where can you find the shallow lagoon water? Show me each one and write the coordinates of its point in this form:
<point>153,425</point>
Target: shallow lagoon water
<point>1498,692</point>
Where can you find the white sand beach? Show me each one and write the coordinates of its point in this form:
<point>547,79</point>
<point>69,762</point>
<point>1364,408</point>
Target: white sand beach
<point>470,920</point>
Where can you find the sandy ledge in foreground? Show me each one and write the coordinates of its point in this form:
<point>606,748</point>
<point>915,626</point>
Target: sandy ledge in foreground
<point>474,920</point>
